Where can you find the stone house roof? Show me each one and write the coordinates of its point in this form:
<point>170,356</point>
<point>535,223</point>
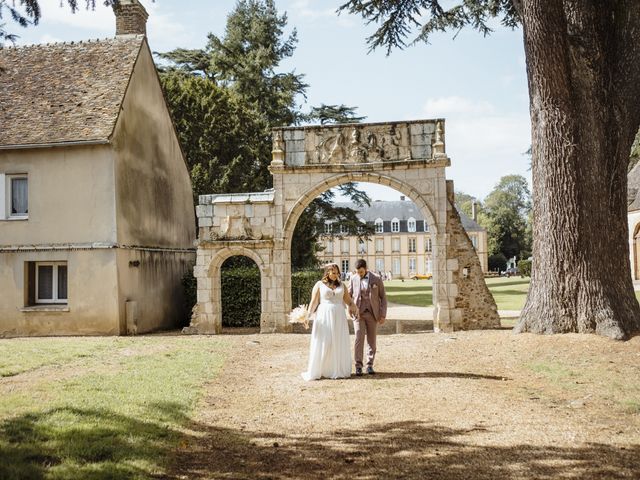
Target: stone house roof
<point>64,93</point>
<point>387,210</point>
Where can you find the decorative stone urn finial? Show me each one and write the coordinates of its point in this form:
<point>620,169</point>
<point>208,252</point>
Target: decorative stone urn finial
<point>277,153</point>
<point>438,145</point>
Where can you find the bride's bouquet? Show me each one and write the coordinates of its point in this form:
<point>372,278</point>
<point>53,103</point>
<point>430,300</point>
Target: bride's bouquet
<point>299,315</point>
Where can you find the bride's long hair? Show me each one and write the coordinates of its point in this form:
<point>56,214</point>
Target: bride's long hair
<point>325,277</point>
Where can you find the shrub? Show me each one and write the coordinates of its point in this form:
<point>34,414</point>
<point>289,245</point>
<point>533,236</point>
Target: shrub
<point>190,289</point>
<point>302,283</point>
<point>497,262</point>
<point>524,267</point>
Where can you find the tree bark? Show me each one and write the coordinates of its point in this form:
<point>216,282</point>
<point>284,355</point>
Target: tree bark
<point>583,67</point>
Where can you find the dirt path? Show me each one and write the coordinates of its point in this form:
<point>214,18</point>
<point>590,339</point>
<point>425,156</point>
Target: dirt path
<point>470,405</point>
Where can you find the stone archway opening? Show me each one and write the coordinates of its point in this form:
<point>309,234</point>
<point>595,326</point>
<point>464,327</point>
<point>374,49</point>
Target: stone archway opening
<point>240,292</point>
<point>392,234</point>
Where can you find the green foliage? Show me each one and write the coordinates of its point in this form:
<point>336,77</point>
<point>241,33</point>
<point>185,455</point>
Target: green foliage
<point>524,267</point>
<point>497,262</point>
<point>464,203</point>
<point>327,114</point>
<point>635,152</point>
<point>190,289</point>
<point>505,215</point>
<point>302,283</point>
<point>397,19</point>
<point>241,297</point>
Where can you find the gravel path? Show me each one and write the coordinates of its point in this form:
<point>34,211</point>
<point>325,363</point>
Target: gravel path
<point>469,405</point>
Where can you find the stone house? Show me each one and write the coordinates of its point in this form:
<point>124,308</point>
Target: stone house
<point>97,223</point>
<point>402,242</point>
<point>633,217</point>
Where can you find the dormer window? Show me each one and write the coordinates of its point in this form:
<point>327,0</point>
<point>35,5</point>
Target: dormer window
<point>395,225</point>
<point>411,224</point>
<point>379,225</point>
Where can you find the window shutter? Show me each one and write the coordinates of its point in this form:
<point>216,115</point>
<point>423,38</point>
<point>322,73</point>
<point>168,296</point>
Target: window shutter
<point>31,283</point>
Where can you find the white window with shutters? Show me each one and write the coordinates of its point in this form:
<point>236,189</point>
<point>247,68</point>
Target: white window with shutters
<point>395,225</point>
<point>411,224</point>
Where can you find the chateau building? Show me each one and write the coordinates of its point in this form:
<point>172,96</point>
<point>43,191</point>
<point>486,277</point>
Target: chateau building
<point>97,221</point>
<point>402,243</point>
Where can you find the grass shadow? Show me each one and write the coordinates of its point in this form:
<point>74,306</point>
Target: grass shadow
<point>87,444</point>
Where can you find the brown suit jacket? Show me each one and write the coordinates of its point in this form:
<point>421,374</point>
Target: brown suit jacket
<point>377,296</point>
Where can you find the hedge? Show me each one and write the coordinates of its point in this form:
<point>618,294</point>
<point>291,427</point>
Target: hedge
<point>524,268</point>
<point>241,293</point>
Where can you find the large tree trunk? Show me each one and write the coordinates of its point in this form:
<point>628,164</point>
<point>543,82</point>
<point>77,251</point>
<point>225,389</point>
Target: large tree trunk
<point>583,66</point>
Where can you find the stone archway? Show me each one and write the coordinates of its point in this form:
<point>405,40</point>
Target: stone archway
<point>407,156</point>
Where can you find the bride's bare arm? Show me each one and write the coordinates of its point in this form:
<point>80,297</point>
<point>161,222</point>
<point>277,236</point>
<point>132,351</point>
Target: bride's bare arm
<point>348,301</point>
<point>315,299</point>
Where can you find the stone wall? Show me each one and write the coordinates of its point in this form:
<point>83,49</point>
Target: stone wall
<point>473,298</point>
<point>131,18</point>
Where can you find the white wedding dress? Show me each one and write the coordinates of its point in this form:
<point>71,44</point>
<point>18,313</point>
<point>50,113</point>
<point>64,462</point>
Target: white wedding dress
<point>330,351</point>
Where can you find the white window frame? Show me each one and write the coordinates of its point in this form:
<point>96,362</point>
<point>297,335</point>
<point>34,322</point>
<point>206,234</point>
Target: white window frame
<point>396,241</point>
<point>411,225</point>
<point>344,269</point>
<point>396,263</point>
<point>379,223</point>
<point>362,247</point>
<point>343,242</point>
<point>426,226</point>
<point>343,229</point>
<point>413,242</point>
<point>428,265</point>
<point>362,225</point>
<point>412,264</point>
<point>55,298</point>
<point>428,244</point>
<point>395,225</point>
<point>328,228</point>
<point>379,241</point>
<point>329,246</point>
<point>380,261</point>
<point>6,194</point>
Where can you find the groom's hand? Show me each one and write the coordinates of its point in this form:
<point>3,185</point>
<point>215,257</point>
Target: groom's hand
<point>381,321</point>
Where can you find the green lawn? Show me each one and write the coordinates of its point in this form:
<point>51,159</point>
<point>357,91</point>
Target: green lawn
<point>98,408</point>
<point>509,293</point>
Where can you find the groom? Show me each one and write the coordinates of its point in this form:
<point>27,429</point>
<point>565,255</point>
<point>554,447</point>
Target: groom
<point>367,291</point>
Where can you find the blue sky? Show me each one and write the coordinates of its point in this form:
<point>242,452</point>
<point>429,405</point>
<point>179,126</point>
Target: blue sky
<point>477,84</point>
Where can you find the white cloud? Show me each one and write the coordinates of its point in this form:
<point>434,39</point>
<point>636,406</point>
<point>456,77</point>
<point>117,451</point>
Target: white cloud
<point>317,10</point>
<point>483,142</point>
<point>100,21</point>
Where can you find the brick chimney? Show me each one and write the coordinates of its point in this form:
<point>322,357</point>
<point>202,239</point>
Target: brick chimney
<point>131,18</point>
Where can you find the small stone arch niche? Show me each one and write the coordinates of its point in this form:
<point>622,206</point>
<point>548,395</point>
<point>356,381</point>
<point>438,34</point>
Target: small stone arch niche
<point>306,161</point>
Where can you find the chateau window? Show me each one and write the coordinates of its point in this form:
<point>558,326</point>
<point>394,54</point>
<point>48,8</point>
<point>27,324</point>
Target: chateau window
<point>395,225</point>
<point>411,224</point>
<point>345,246</point>
<point>396,266</point>
<point>412,265</point>
<point>362,247</point>
<point>14,197</point>
<point>345,266</point>
<point>343,229</point>
<point>426,226</point>
<point>329,246</point>
<point>379,244</point>
<point>361,226</point>
<point>328,228</point>
<point>380,264</point>
<point>395,244</point>
<point>428,266</point>
<point>428,246</point>
<point>412,245</point>
<point>379,225</point>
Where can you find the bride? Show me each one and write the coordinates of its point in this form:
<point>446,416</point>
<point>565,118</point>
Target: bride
<point>330,351</point>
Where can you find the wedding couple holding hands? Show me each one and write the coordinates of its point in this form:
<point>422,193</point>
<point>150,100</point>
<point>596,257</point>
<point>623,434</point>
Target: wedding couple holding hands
<point>365,299</point>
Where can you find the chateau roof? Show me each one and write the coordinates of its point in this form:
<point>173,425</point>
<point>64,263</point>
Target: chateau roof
<point>62,93</point>
<point>387,210</point>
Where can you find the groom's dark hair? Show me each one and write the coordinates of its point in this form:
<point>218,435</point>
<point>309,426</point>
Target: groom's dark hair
<point>361,263</point>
